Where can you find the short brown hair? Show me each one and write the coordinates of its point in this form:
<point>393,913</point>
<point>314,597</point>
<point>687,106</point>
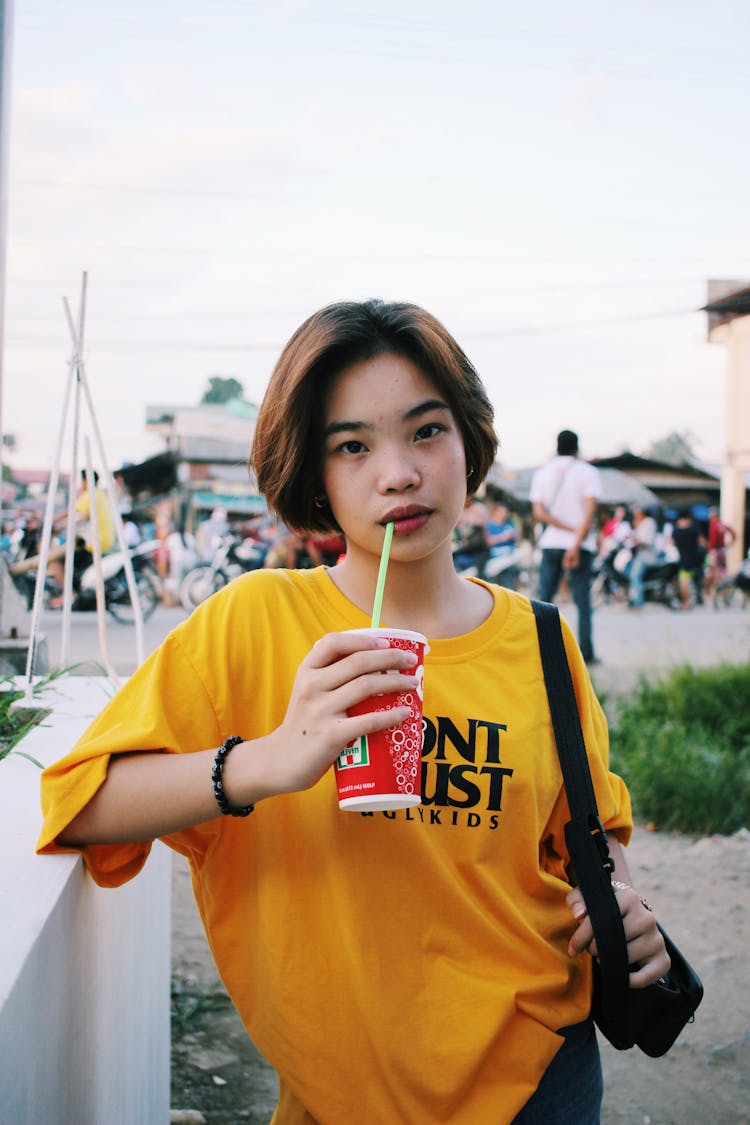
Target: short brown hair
<point>287,453</point>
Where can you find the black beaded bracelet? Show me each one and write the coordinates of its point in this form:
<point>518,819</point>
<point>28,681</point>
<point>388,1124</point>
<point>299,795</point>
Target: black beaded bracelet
<point>216,772</point>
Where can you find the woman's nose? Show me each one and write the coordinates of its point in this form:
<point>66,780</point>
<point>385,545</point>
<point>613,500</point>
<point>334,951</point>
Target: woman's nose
<point>397,473</point>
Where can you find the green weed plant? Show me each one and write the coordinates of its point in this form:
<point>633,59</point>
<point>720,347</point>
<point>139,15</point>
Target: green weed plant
<point>15,721</point>
<point>682,745</point>
<point>189,1005</point>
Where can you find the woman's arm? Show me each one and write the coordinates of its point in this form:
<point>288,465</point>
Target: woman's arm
<point>150,794</point>
<point>146,795</point>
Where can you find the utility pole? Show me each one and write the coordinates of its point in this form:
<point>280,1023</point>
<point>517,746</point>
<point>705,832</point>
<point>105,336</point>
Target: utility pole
<point>6,28</point>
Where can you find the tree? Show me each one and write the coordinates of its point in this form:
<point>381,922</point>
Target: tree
<point>221,389</point>
<point>674,449</point>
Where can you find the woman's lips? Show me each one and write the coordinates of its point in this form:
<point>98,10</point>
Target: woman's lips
<point>408,521</point>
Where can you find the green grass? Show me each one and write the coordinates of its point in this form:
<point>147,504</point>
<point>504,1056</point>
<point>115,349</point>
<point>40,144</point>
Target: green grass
<point>16,722</point>
<point>682,745</point>
<point>188,1005</point>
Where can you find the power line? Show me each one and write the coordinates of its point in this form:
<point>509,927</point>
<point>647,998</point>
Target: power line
<point>26,342</point>
<point>396,27</point>
<point>358,255</point>
<point>394,44</point>
<point>21,342</point>
<point>595,285</point>
<point>357,204</point>
<point>576,325</point>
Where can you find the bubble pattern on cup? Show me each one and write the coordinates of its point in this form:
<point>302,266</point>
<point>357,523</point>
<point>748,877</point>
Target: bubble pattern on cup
<point>405,740</point>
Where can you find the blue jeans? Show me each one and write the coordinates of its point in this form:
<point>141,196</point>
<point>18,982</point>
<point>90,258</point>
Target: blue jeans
<point>570,1092</point>
<point>636,573</point>
<point>579,580</point>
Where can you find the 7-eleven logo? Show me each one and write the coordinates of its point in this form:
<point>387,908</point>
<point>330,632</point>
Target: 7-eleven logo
<point>354,754</point>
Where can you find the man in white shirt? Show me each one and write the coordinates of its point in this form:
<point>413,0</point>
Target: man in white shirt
<point>565,494</point>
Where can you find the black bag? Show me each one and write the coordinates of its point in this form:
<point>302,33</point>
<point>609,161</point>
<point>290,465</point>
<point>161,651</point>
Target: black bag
<point>650,1018</point>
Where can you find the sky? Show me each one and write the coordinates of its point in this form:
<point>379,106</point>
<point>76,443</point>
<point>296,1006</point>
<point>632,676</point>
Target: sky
<point>556,182</point>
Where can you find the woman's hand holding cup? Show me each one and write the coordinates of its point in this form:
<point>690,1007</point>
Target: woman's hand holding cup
<point>339,672</point>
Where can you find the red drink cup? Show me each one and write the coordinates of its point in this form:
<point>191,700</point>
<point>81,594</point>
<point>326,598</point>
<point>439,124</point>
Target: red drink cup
<point>381,771</point>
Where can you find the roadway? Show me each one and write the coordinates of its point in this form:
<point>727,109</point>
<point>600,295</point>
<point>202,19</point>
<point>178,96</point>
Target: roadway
<point>85,647</point>
<point>628,642</point>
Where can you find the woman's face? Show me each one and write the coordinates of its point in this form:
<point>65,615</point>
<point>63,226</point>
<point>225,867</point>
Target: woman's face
<point>392,451</point>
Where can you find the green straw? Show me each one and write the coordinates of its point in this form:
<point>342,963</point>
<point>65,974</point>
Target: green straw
<point>377,605</point>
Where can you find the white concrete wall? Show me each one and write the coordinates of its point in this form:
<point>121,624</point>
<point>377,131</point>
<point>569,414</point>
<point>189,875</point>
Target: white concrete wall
<point>84,972</point>
<point>735,334</point>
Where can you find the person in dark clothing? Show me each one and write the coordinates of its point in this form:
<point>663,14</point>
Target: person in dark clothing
<point>691,546</point>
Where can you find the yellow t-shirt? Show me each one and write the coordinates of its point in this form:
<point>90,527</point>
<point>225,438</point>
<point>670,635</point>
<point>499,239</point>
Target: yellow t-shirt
<point>393,967</point>
<point>104,520</point>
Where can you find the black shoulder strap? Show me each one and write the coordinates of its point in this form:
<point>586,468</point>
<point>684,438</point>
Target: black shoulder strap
<point>584,834</point>
<point>566,722</point>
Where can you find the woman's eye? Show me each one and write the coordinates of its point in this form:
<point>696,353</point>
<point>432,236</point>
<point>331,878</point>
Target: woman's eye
<point>351,446</point>
<point>428,430</point>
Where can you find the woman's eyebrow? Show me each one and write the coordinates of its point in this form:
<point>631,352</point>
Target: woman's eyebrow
<point>425,408</point>
<point>416,412</point>
<point>339,427</point>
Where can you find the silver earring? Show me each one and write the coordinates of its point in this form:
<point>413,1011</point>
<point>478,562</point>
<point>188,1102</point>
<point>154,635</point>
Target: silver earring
<point>320,502</point>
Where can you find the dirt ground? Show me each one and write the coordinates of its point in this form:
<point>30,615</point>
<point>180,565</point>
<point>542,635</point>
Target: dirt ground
<point>700,889</point>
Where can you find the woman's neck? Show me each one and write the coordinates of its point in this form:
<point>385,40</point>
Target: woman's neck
<point>427,596</point>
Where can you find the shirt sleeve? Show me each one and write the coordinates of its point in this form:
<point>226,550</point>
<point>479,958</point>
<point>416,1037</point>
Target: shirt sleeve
<point>164,707</point>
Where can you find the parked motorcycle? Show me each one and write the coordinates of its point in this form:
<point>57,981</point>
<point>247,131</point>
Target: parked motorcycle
<point>734,588</point>
<point>233,556</point>
<point>611,581</point>
<point>117,599</point>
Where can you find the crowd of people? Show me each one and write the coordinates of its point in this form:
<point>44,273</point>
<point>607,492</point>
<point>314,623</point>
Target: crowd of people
<point>647,534</point>
<point>571,538</point>
<point>497,538</point>
<point>177,550</point>
<point>492,528</point>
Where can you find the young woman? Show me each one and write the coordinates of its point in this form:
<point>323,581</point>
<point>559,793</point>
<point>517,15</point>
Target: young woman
<point>426,965</point>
